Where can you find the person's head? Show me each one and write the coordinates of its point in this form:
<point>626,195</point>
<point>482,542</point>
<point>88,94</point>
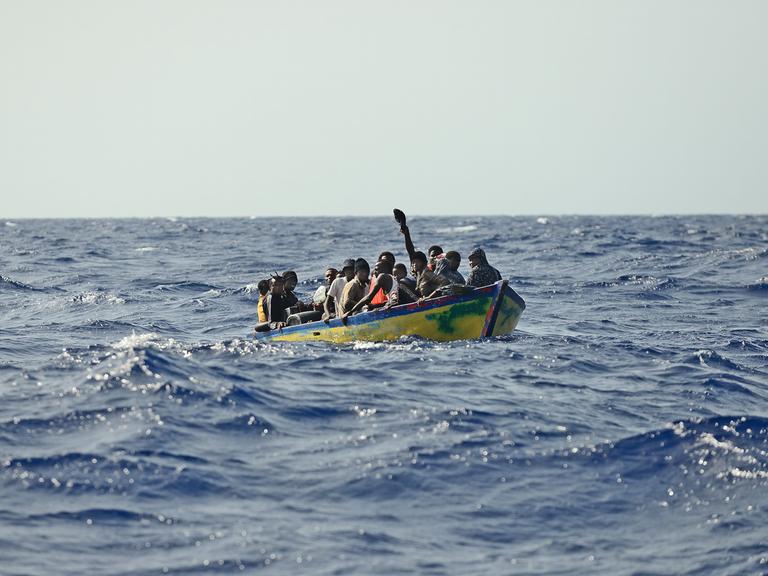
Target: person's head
<point>263,287</point>
<point>330,275</point>
<point>476,258</point>
<point>362,269</point>
<point>291,279</point>
<point>277,285</point>
<point>384,267</point>
<point>348,269</point>
<point>386,255</point>
<point>399,271</point>
<point>434,251</point>
<point>376,271</point>
<point>418,262</point>
<point>454,259</point>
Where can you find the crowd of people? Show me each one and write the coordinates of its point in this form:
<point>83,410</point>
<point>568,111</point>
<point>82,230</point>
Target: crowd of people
<point>355,287</point>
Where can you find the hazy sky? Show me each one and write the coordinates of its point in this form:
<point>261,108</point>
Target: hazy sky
<point>248,108</point>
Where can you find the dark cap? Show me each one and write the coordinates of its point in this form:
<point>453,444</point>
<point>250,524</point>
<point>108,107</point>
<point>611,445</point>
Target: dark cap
<point>477,253</point>
<point>348,263</point>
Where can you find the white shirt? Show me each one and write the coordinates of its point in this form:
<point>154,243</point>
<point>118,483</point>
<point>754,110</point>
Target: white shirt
<point>320,295</point>
<point>337,288</point>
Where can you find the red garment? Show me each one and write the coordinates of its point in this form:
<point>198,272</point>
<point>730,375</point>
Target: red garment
<point>381,297</point>
<point>430,265</point>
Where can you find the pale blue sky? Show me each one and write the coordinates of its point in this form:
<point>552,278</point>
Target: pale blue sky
<point>248,108</point>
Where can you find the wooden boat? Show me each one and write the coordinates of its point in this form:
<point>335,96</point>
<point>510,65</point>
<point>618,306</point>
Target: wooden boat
<point>488,311</point>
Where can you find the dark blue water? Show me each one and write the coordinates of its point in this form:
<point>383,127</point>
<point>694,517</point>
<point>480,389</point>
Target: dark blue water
<point>623,429</point>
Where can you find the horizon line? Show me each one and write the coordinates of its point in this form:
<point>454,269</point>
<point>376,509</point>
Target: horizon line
<point>389,215</point>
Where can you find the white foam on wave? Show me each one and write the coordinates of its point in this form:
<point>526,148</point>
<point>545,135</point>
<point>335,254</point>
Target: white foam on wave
<point>746,254</point>
<point>457,229</point>
<point>703,355</point>
<point>361,345</point>
<point>152,340</point>
<point>542,220</point>
<point>11,224</point>
<point>97,298</point>
<point>135,341</point>
<point>146,249</point>
<point>747,474</point>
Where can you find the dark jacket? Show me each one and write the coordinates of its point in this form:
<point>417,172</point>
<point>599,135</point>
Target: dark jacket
<point>483,274</point>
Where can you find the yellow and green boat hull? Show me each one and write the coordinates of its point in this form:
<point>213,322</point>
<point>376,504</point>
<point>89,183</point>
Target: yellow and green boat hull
<point>488,311</point>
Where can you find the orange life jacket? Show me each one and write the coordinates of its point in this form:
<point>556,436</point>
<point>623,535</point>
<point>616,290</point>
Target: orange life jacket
<point>381,297</point>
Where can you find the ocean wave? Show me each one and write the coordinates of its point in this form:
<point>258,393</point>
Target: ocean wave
<point>82,473</point>
<point>245,423</point>
<point>106,325</point>
<point>712,359</point>
<point>760,285</point>
<point>723,448</point>
<point>99,516</point>
<point>647,282</point>
<point>9,283</point>
<point>731,384</point>
<point>457,229</point>
<point>187,286</point>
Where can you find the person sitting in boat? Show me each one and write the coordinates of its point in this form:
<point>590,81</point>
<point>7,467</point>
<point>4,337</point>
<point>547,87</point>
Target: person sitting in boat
<point>481,273</point>
<point>263,287</point>
<point>435,254</point>
<point>277,303</point>
<point>291,281</point>
<point>427,282</point>
<point>386,255</point>
<point>356,289</point>
<point>400,272</point>
<point>449,267</point>
<point>331,305</point>
<point>301,313</point>
<point>379,297</point>
<point>385,285</point>
<point>406,287</point>
<point>318,299</point>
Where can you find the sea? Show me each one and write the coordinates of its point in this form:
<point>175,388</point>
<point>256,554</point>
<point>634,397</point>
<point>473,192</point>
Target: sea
<point>622,429</point>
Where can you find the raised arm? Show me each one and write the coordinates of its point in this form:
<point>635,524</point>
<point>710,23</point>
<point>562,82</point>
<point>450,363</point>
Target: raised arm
<point>408,242</point>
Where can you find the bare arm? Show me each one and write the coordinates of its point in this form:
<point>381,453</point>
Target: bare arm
<point>408,242</point>
<point>365,300</point>
<point>327,315</point>
<point>380,284</point>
